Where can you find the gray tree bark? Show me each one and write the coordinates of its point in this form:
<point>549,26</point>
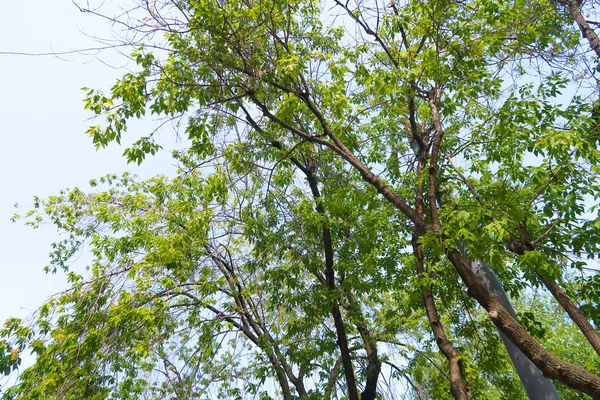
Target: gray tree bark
<point>536,385</point>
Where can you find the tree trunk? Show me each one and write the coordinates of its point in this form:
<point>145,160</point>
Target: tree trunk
<point>535,384</point>
<point>457,385</point>
<point>553,367</point>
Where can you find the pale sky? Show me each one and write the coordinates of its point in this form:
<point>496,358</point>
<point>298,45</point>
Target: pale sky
<point>43,146</point>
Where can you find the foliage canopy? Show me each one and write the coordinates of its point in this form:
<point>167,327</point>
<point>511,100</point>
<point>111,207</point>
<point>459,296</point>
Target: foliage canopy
<point>347,161</point>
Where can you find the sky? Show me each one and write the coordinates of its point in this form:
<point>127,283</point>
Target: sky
<point>43,146</point>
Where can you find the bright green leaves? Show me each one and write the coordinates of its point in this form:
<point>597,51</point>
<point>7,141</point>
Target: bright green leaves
<point>96,102</point>
<point>95,340</point>
<point>215,278</point>
<point>289,65</point>
<point>130,95</point>
<point>140,148</point>
<point>171,273</point>
<point>198,133</point>
<point>537,174</point>
<point>589,291</point>
<point>13,338</point>
<point>90,337</point>
<point>131,90</point>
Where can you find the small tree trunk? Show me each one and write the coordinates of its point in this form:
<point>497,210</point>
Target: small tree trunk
<point>457,385</point>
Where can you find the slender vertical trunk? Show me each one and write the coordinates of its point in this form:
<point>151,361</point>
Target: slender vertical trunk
<point>342,341</point>
<point>457,385</point>
<point>330,279</point>
<point>373,362</point>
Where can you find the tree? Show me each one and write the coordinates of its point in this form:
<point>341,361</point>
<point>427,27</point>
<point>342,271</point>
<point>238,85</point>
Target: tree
<point>332,176</point>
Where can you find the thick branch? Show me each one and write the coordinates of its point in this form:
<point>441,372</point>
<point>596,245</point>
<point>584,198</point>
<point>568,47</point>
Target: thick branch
<point>587,32</point>
<point>559,295</point>
<point>434,160</point>
<point>365,172</point>
<point>340,148</point>
<point>574,312</point>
